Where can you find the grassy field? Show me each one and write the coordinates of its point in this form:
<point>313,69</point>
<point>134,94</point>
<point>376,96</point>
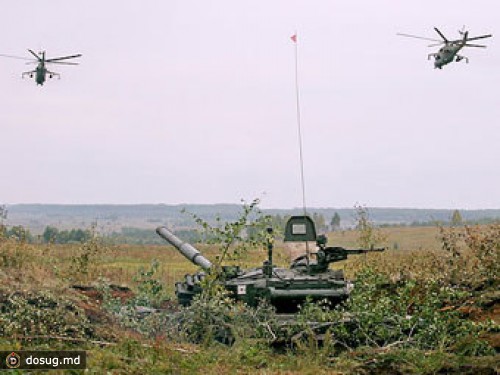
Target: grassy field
<point>50,271</point>
<point>124,261</point>
<point>401,238</point>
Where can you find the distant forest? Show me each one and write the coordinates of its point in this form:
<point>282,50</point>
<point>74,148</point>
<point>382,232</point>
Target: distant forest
<point>136,223</point>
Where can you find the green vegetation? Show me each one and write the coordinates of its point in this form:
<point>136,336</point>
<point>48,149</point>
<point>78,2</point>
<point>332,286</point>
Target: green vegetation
<point>112,218</point>
<point>456,218</point>
<point>369,235</point>
<point>335,222</point>
<point>431,306</point>
<point>54,235</point>
<point>408,313</point>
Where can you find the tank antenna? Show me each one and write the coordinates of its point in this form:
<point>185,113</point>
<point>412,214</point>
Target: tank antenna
<point>294,38</point>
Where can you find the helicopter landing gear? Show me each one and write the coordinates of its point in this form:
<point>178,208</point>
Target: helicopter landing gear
<point>460,58</point>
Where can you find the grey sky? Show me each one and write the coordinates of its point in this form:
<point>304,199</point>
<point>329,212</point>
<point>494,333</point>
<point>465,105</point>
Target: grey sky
<point>193,102</point>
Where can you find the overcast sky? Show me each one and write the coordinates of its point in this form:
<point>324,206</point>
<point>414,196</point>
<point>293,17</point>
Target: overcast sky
<point>194,102</point>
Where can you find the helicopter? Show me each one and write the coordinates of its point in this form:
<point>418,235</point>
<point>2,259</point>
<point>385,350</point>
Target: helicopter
<point>449,52</point>
<point>41,72</point>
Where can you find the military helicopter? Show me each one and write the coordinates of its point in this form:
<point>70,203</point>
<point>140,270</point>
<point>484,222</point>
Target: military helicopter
<point>449,52</point>
<point>41,72</point>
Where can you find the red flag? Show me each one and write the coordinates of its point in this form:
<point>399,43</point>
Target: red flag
<point>294,38</point>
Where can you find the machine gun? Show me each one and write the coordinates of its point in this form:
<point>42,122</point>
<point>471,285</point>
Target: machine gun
<point>326,255</point>
<point>301,228</point>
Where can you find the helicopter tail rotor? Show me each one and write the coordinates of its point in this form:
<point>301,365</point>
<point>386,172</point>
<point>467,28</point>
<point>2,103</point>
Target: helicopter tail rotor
<point>465,34</point>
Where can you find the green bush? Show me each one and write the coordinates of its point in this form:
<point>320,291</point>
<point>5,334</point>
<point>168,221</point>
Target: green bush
<point>408,313</point>
<point>41,314</point>
<point>218,317</point>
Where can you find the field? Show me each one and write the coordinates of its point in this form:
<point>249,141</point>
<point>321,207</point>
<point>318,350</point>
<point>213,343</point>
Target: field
<point>66,296</point>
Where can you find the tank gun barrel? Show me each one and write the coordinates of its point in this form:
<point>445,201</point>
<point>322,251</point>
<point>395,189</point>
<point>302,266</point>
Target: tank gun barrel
<point>186,249</point>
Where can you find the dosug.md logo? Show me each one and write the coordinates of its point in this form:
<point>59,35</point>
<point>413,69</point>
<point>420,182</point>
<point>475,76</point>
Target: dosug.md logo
<point>13,360</point>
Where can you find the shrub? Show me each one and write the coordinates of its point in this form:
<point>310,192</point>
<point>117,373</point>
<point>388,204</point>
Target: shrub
<point>383,313</point>
<point>218,317</point>
<point>87,257</point>
<point>40,314</point>
<point>474,254</point>
<point>369,234</point>
<point>150,290</point>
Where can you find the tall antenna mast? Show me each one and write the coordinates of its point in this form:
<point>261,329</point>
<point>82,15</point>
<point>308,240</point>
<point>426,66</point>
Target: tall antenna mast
<point>297,96</point>
<point>294,38</point>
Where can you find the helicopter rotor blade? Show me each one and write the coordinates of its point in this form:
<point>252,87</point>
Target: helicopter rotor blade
<point>34,54</point>
<point>480,37</point>
<point>62,63</point>
<point>63,58</point>
<point>475,45</point>
<point>17,57</point>
<point>419,37</point>
<point>436,44</point>
<point>441,35</point>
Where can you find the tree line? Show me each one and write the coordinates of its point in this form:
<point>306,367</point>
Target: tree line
<point>54,235</point>
<point>129,235</point>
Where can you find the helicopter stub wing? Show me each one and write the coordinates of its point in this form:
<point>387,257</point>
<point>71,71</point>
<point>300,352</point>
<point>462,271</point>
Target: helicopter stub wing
<point>28,73</point>
<point>52,74</point>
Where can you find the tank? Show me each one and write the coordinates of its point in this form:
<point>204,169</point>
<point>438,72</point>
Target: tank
<point>309,276</point>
